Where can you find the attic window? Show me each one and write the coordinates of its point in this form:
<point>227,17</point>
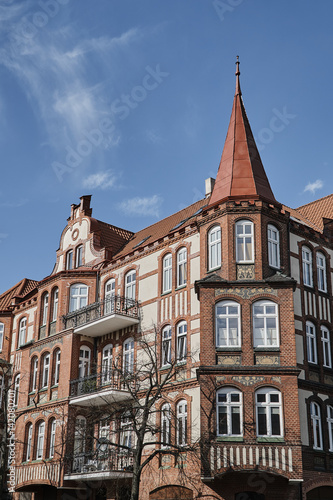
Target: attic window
<point>188,218</point>
<point>142,242</point>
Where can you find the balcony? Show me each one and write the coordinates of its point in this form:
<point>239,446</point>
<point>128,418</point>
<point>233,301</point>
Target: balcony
<point>41,473</point>
<point>99,389</point>
<point>103,317</point>
<point>111,464</point>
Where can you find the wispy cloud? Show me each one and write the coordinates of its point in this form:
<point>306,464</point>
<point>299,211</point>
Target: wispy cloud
<point>314,186</point>
<point>142,206</point>
<point>102,180</point>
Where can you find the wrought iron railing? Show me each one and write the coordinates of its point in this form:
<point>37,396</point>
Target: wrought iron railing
<point>113,305</point>
<point>106,379</point>
<point>110,460</point>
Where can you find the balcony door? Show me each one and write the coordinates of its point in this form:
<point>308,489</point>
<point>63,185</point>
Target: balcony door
<point>107,364</point>
<point>110,293</point>
<point>84,362</point>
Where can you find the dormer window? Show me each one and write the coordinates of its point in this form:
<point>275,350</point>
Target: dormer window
<point>69,260</point>
<point>244,242</point>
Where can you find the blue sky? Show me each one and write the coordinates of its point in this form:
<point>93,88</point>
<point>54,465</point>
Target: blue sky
<point>130,101</point>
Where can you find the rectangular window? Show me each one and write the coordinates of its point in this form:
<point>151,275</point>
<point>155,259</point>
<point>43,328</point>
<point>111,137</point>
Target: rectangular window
<point>182,267</point>
<point>273,237</point>
<point>57,368</point>
<point>52,438</point>
<point>166,346</point>
<point>46,367</point>
<point>321,272</point>
<point>214,248</point>
<point>69,260</point>
<point>311,342</point>
<point>2,329</point>
<point>181,341</point>
<point>307,266</point>
<point>326,341</point>
<point>167,273</point>
<point>244,242</point>
<point>40,441</point>
<point>78,256</point>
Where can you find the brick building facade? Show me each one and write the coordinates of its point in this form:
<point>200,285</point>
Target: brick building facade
<point>237,289</point>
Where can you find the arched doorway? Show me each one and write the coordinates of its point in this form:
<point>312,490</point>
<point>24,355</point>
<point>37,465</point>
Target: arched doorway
<point>321,493</point>
<point>172,493</point>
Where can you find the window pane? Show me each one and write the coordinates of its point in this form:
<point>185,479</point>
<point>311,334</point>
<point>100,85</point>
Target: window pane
<point>234,398</point>
<point>235,419</point>
<point>261,398</point>
<point>274,398</point>
<point>275,418</point>
<point>223,427</point>
<point>262,421</point>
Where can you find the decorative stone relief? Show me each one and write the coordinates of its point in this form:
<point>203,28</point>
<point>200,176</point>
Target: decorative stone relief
<point>276,379</point>
<point>220,379</point>
<point>47,345</point>
<point>249,380</point>
<point>245,272</point>
<point>228,360</point>
<point>246,293</point>
<point>267,360</point>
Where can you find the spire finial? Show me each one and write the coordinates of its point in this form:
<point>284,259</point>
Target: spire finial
<point>238,90</point>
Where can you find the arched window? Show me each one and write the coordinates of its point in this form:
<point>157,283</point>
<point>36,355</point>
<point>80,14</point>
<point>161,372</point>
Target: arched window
<point>227,315</point>
<point>79,436</point>
<point>265,324</point>
<point>29,442</point>
<point>273,238</point>
<point>330,425</point>
<point>16,389</point>
<point>321,272</point>
<point>56,366</point>
<point>316,426</point>
<point>52,431</point>
<point>326,341</point>
<point>45,310</point>
<point>45,370</point>
<point>126,437</point>
<point>2,330</point>
<point>307,266</point>
<point>69,260</point>
<point>84,362</point>
<point>107,364</point>
<point>166,345</point>
<point>34,373</point>
<point>103,437</point>
<point>269,412</point>
<point>229,412</point>
<point>130,280</point>
<point>214,248</point>
<point>55,300</point>
<point>244,241</point>
<point>78,256</point>
<point>22,331</point>
<point>182,423</point>
<point>78,297</point>
<point>181,267</point>
<point>40,440</point>
<point>181,341</point>
<point>311,342</point>
<point>166,425</point>
<point>128,362</point>
<point>110,293</point>
<point>167,273</point>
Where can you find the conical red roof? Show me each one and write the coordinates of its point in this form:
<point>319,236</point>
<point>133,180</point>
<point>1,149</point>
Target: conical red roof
<point>241,174</point>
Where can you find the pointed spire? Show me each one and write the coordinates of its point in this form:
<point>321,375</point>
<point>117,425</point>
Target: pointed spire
<point>241,175</point>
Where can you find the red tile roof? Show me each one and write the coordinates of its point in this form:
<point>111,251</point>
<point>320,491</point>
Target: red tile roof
<point>21,289</point>
<point>109,236</point>
<point>316,210</point>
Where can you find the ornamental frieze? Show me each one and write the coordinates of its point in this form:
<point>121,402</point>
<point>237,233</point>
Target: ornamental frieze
<point>267,360</point>
<point>229,360</point>
<point>248,381</point>
<point>47,345</point>
<point>245,292</point>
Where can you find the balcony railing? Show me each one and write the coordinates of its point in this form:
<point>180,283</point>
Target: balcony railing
<point>41,473</point>
<point>112,463</point>
<point>100,388</point>
<point>104,316</point>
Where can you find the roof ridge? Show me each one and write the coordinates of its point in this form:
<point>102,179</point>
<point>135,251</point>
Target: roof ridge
<point>314,201</point>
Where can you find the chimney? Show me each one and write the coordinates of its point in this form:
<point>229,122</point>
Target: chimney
<point>209,185</point>
<point>85,205</point>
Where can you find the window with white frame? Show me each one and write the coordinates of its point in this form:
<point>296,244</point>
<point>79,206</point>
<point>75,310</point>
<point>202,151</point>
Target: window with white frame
<point>104,436</point>
<point>128,353</point>
<point>78,256</point>
<point>40,440</point>
<point>165,425</point>
<point>227,317</point>
<point>110,293</point>
<point>307,266</point>
<point>269,412</point>
<point>273,238</point>
<point>46,370</point>
<point>34,370</point>
<point>166,345</point>
<point>244,241</point>
<point>167,273</point>
<point>22,331</point>
<point>16,389</point>
<point>126,437</point>
<point>265,324</point>
<point>130,281</point>
<point>69,260</point>
<point>214,247</point>
<point>80,435</point>
<point>52,437</point>
<point>107,364</point>
<point>56,358</point>
<point>316,426</point>
<point>330,426</point>
<point>182,423</point>
<point>311,342</point>
<point>29,442</point>
<point>181,341</point>
<point>78,297</point>
<point>45,308</point>
<point>181,267</point>
<point>321,272</point>
<point>326,342</point>
<point>229,412</point>
<point>55,301</point>
<point>84,361</point>
<point>2,330</point>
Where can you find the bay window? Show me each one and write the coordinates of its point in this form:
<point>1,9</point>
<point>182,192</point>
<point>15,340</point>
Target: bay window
<point>265,324</point>
<point>244,242</point>
<point>227,317</point>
